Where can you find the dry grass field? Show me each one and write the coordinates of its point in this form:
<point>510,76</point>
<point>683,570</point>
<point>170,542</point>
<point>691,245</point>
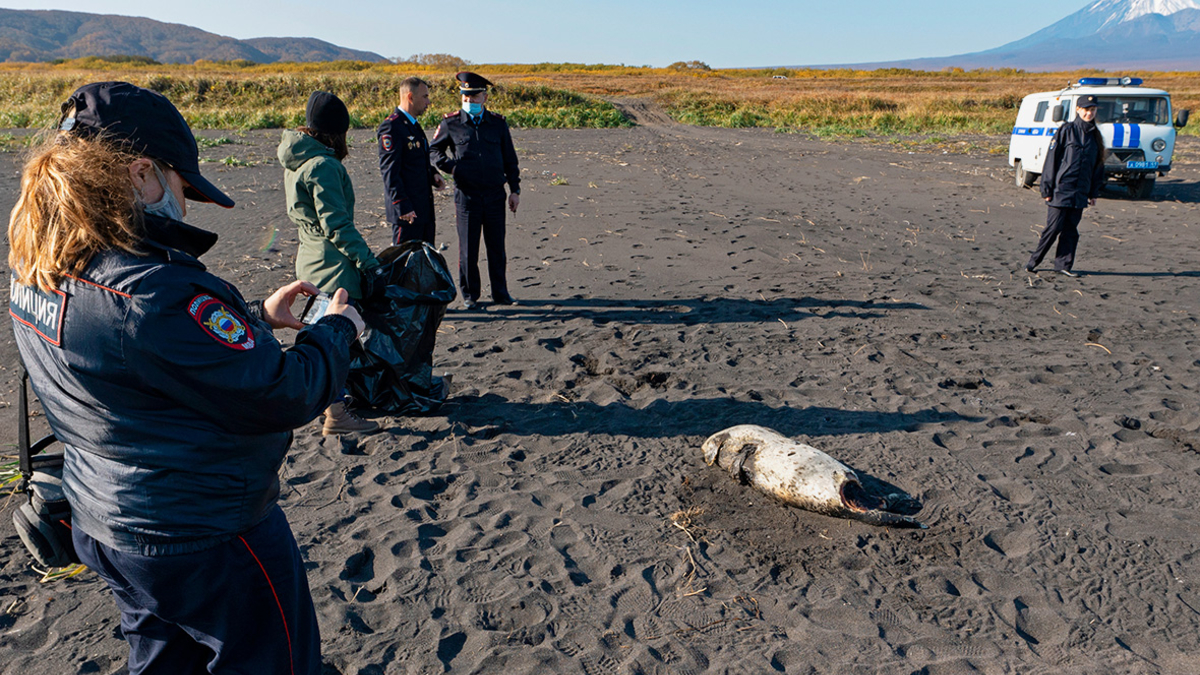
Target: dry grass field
<point>879,103</point>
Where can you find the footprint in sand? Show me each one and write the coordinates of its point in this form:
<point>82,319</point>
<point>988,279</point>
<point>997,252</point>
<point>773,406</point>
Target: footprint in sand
<point>599,664</point>
<point>1012,542</point>
<point>1008,489</point>
<point>1038,624</point>
<point>510,615</point>
<point>428,490</point>
<point>359,567</point>
<point>1140,469</point>
<point>478,589</point>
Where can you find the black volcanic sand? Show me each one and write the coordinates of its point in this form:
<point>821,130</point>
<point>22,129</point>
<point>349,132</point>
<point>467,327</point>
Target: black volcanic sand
<point>557,515</point>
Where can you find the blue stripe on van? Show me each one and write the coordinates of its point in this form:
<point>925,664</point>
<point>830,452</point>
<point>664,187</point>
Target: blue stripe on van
<point>1118,135</point>
<point>1033,131</point>
<point>1135,135</point>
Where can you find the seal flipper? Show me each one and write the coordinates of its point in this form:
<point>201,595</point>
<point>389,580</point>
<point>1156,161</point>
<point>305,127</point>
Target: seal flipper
<point>885,518</point>
<point>738,466</point>
<point>876,510</point>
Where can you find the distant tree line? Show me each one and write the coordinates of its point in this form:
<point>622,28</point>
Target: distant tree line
<point>438,61</point>
<point>128,59</point>
<point>692,66</point>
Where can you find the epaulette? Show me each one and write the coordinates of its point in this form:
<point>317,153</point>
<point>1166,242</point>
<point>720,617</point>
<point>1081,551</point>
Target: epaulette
<point>449,115</point>
<point>497,114</point>
<point>392,117</point>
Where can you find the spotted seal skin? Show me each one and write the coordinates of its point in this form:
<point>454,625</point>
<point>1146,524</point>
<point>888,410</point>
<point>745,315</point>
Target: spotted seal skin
<point>801,475</point>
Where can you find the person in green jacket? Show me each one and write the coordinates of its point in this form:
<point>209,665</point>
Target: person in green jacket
<point>320,201</point>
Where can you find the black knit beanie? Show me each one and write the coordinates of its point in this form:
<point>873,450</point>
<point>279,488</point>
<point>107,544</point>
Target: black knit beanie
<point>326,113</point>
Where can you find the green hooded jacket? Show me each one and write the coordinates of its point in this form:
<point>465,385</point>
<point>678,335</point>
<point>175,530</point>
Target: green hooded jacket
<point>320,201</point>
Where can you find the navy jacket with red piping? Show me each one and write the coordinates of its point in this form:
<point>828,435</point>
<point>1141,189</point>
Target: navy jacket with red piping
<point>174,401</point>
<point>404,164</point>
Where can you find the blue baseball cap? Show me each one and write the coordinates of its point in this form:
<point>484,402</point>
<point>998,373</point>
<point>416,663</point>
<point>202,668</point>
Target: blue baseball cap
<point>149,123</point>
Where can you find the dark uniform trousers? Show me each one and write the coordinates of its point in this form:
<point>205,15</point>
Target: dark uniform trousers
<point>176,625</point>
<point>478,213</point>
<point>1061,224</point>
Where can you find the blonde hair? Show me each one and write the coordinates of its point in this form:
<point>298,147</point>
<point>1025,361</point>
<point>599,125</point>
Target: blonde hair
<point>76,200</point>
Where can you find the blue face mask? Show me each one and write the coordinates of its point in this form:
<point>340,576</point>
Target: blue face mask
<point>472,108</point>
<point>167,206</point>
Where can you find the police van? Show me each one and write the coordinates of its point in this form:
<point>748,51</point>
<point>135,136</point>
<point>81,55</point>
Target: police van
<point>1139,134</point>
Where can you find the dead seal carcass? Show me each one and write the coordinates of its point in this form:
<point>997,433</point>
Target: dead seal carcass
<point>801,475</point>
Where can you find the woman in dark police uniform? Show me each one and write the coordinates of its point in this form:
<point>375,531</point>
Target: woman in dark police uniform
<point>1072,179</point>
<point>172,398</point>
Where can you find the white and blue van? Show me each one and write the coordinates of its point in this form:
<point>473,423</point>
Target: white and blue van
<point>1138,130</point>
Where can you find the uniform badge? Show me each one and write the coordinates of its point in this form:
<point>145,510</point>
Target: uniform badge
<point>225,326</point>
<point>386,141</point>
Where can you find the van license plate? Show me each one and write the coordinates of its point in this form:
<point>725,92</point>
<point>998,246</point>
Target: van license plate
<point>1141,165</point>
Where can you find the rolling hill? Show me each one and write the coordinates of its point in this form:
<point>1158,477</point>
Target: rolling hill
<point>45,35</point>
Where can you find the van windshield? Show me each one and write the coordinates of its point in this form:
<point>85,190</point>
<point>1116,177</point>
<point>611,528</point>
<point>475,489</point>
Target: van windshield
<point>1132,110</point>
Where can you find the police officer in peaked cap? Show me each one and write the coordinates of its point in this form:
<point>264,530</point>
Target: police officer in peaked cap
<point>1071,181</point>
<point>474,146</point>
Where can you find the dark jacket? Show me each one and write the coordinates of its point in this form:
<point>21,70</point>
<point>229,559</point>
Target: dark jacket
<point>406,168</point>
<point>480,157</point>
<point>174,402</point>
<point>1074,169</point>
<point>320,201</point>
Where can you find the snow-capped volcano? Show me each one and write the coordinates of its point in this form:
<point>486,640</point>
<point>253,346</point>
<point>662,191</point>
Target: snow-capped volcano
<point>1119,11</point>
<point>1104,15</point>
<point>1119,35</point>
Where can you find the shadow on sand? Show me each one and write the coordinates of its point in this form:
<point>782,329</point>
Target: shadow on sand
<point>692,311</point>
<point>1165,190</point>
<point>1087,273</point>
<point>662,419</point>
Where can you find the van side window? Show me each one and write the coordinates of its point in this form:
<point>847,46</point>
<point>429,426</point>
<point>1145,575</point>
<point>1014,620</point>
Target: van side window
<point>1040,115</point>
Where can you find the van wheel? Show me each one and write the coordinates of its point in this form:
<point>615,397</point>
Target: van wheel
<point>1025,178</point>
<point>1140,188</point>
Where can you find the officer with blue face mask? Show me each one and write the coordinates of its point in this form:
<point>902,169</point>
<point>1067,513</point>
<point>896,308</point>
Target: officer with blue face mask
<point>166,206</point>
<point>475,146</point>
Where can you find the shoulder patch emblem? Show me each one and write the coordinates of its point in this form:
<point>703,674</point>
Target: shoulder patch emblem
<point>386,142</point>
<point>221,322</point>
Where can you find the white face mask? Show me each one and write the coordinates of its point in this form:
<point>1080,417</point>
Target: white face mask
<point>167,206</point>
<point>472,108</point>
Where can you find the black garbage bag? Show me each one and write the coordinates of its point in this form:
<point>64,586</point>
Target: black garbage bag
<point>391,366</point>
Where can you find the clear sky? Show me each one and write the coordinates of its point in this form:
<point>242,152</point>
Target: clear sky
<point>729,33</point>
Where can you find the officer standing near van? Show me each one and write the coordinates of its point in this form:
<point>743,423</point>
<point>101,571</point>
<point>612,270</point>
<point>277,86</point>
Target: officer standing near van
<point>475,146</point>
<point>404,163</point>
<point>1071,181</point>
